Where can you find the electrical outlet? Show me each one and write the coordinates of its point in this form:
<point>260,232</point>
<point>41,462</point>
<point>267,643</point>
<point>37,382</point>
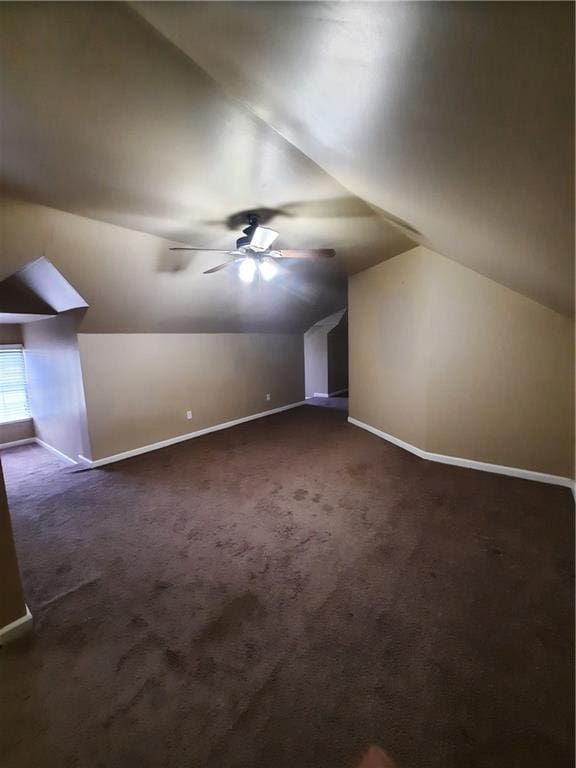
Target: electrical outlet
<point>268,396</point>
<point>188,415</point>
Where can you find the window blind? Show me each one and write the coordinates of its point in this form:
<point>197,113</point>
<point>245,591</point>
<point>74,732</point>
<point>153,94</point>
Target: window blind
<point>13,395</point>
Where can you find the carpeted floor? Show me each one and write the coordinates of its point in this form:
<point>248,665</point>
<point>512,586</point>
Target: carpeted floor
<point>281,595</point>
<point>339,403</point>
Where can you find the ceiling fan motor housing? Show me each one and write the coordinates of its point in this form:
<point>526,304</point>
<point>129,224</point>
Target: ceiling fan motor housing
<point>249,231</point>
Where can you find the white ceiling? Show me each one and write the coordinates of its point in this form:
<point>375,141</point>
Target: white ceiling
<point>456,117</point>
<point>450,119</point>
<point>104,118</point>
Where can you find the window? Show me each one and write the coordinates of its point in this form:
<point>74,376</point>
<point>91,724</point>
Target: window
<point>13,395</point>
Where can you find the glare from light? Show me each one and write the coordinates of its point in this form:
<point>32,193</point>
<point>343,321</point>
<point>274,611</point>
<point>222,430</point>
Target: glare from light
<point>247,270</point>
<point>268,269</point>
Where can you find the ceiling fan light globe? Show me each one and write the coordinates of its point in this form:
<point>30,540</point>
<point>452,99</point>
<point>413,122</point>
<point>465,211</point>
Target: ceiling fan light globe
<point>247,270</point>
<point>263,238</point>
<point>268,270</point>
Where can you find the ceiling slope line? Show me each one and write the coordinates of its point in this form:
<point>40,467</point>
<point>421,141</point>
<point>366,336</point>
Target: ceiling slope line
<point>403,227</point>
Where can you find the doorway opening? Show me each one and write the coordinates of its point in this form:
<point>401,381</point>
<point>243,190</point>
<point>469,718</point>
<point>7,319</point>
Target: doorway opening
<point>326,362</point>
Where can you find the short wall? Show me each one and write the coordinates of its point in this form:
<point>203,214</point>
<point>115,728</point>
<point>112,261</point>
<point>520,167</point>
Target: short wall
<point>460,366</point>
<point>140,386</point>
<point>17,430</point>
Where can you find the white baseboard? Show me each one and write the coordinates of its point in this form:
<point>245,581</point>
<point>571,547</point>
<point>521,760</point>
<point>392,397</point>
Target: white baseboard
<point>498,469</point>
<point>55,451</point>
<point>16,629</point>
<point>328,394</point>
<point>15,443</point>
<point>182,438</point>
<point>28,440</point>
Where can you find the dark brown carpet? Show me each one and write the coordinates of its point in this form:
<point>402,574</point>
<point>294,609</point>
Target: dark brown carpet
<point>283,594</point>
<point>339,403</point>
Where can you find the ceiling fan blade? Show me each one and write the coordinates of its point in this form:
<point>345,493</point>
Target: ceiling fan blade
<point>220,266</point>
<point>239,219</point>
<point>207,250</point>
<point>307,254</point>
<point>329,208</point>
<point>333,207</point>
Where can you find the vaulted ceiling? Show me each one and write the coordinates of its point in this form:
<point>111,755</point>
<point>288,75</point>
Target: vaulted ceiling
<point>458,118</point>
<point>371,125</point>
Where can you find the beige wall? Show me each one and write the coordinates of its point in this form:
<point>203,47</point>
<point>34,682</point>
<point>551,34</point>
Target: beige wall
<point>133,283</point>
<point>139,386</point>
<point>386,321</point>
<point>18,430</point>
<point>456,364</point>
<point>10,334</point>
<point>316,361</point>
<point>55,386</point>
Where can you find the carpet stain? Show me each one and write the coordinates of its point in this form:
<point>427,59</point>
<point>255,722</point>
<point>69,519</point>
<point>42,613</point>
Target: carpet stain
<point>357,470</point>
<point>137,650</point>
<point>73,637</point>
<point>148,688</point>
<point>255,637</point>
<point>175,659</point>
<point>238,610</point>
<point>496,551</point>
<point>205,668</point>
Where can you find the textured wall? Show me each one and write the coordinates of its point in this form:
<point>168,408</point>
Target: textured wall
<point>457,364</point>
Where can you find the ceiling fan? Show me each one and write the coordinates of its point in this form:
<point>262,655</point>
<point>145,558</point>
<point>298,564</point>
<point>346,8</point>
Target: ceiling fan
<point>254,254</point>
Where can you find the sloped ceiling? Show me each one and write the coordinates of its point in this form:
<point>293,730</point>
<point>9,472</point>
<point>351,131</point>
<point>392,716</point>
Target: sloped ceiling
<point>103,117</point>
<point>123,277</point>
<point>453,120</point>
<point>36,292</point>
<point>457,117</point>
<point>19,303</point>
